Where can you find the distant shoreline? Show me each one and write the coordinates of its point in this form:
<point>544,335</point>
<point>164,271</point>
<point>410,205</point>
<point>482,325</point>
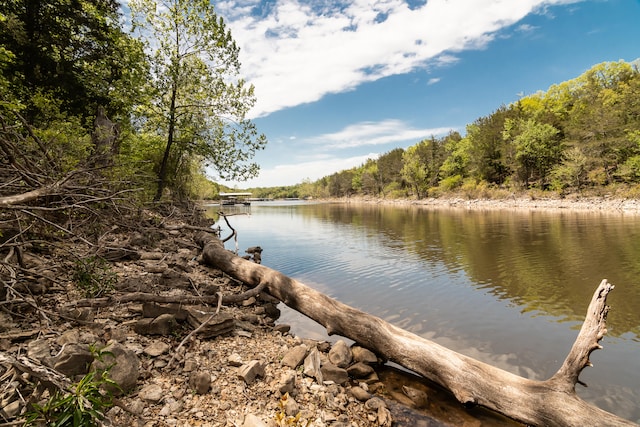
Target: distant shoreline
<point>570,204</point>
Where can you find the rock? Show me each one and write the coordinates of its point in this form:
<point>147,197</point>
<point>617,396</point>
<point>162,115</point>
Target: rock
<point>125,366</point>
<point>383,416</point>
<point>294,357</point>
<point>360,370</point>
<point>250,371</point>
<point>234,360</point>
<point>340,354</point>
<point>155,267</point>
<point>361,354</point>
<point>418,397</point>
<point>74,359</point>
<point>156,349</point>
<point>164,324</point>
<point>360,393</point>
<point>287,382</point>
<point>11,410</point>
<point>69,337</point>
<point>291,407</point>
<point>39,349</point>
<point>151,393</point>
<point>253,421</point>
<point>172,407</point>
<point>219,324</point>
<point>272,311</point>
<point>153,310</point>
<point>200,382</point>
<point>338,375</point>
<point>189,365</point>
<point>174,279</point>
<point>282,328</point>
<point>312,366</point>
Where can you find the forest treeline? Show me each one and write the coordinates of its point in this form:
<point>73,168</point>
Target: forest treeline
<point>151,99</point>
<point>582,135</point>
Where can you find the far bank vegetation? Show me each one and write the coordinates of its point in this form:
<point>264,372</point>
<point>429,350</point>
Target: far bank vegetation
<point>581,136</point>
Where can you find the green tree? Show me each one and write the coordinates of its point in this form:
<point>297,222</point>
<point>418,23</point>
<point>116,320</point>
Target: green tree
<point>537,148</point>
<point>487,158</point>
<point>71,52</point>
<point>421,165</point>
<point>598,120</point>
<point>390,169</point>
<point>199,103</point>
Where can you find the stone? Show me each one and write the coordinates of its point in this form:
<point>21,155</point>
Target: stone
<point>11,410</point>
<point>124,366</point>
<point>39,349</point>
<point>338,375</point>
<point>312,366</point>
<point>287,382</point>
<point>291,407</point>
<point>74,359</point>
<point>156,348</point>
<point>282,328</point>
<point>419,397</point>
<point>151,393</point>
<point>164,324</point>
<point>253,421</point>
<point>69,337</point>
<point>171,407</point>
<point>250,371</point>
<point>155,267</point>
<point>294,357</point>
<point>340,354</point>
<point>200,382</point>
<point>361,354</point>
<point>153,310</point>
<point>359,393</point>
<point>189,365</point>
<point>219,324</point>
<point>359,370</point>
<point>235,360</point>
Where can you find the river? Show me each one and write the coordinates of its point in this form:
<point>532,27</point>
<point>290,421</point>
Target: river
<point>509,288</point>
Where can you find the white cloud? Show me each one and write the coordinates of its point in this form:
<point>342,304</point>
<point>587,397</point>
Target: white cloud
<point>433,80</point>
<point>375,133</point>
<point>296,52</point>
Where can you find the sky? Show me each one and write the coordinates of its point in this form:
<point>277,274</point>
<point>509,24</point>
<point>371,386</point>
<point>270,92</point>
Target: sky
<point>340,81</point>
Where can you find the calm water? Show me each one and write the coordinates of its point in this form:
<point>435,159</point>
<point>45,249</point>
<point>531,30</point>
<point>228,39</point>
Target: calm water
<point>508,288</point>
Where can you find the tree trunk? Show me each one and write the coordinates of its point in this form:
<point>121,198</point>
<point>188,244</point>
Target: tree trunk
<point>162,173</point>
<point>544,403</point>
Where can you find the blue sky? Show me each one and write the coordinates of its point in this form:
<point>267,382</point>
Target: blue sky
<point>340,81</point>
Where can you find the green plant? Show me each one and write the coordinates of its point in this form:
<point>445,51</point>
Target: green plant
<point>94,276</point>
<point>283,420</point>
<point>83,406</point>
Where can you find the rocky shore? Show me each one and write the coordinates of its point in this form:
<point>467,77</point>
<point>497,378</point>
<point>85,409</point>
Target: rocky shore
<point>572,203</point>
<point>179,355</point>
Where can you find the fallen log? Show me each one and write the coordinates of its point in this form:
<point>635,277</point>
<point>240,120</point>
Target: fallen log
<point>542,403</point>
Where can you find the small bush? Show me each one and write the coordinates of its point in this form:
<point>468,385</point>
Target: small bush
<point>84,406</point>
<point>94,277</point>
<point>451,182</point>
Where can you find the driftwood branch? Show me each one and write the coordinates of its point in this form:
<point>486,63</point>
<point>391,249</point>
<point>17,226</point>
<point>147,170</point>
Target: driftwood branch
<point>165,299</point>
<point>543,403</point>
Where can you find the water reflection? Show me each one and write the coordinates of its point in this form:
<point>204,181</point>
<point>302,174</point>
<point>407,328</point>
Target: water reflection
<point>507,287</point>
